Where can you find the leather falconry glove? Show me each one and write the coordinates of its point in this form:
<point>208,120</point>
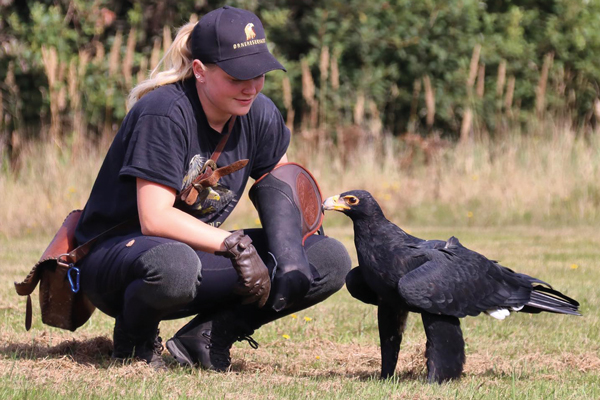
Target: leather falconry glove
<point>288,201</point>
<point>254,280</point>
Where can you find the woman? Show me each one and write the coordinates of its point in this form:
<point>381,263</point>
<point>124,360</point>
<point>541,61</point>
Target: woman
<point>173,260</point>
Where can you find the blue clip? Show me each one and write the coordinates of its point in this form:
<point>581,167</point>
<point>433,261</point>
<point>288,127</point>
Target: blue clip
<point>74,286</point>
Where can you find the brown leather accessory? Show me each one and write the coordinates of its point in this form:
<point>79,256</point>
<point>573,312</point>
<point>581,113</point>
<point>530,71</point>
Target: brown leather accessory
<point>210,174</point>
<point>288,201</point>
<point>61,307</point>
<point>62,304</point>
<point>306,194</point>
<point>254,281</point>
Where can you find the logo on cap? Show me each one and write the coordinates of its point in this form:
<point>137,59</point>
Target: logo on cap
<point>250,38</point>
<point>250,34</point>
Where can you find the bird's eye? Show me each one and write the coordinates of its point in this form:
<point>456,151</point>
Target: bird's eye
<point>351,200</point>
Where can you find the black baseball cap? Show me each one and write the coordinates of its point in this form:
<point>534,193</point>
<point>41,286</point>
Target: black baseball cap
<point>233,39</point>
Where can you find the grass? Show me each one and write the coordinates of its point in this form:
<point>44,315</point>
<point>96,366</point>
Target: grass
<point>331,350</point>
<point>531,201</point>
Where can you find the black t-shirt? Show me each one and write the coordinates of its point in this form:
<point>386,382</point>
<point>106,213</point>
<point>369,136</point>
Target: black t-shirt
<point>165,138</point>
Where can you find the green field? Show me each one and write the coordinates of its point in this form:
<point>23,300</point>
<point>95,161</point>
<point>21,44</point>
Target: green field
<point>331,350</point>
<point>474,119</point>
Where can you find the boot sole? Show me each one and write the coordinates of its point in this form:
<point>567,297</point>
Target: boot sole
<point>178,352</point>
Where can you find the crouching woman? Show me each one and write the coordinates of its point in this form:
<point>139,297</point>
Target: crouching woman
<point>204,110</point>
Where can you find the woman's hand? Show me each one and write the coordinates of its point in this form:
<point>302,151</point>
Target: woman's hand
<point>255,283</point>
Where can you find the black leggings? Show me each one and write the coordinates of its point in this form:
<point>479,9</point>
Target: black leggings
<point>146,279</point>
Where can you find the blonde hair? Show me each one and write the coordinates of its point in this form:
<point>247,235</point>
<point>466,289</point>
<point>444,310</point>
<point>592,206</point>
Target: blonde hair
<point>176,65</point>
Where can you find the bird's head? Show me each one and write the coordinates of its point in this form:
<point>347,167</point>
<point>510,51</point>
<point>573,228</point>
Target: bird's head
<point>356,204</point>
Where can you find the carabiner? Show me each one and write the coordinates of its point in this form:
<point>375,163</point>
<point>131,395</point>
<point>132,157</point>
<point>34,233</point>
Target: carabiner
<point>74,286</point>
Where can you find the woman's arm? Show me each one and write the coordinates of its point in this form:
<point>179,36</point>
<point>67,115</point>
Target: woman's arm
<point>158,217</point>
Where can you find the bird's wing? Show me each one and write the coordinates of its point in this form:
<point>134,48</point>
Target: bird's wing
<point>459,282</point>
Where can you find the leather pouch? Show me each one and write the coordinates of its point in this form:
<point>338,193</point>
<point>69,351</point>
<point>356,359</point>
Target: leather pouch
<point>62,304</point>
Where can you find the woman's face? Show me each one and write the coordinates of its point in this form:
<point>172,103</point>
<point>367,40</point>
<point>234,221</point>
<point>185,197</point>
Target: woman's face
<point>222,95</point>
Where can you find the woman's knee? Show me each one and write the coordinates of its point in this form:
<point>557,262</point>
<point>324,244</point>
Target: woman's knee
<point>331,260</point>
<point>173,269</point>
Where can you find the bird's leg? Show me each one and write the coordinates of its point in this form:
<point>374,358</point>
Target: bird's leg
<point>392,322</point>
<point>445,350</point>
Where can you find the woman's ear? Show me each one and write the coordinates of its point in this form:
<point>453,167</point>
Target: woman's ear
<point>199,70</point>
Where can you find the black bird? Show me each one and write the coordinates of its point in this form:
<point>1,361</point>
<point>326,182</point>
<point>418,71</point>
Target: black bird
<point>441,280</point>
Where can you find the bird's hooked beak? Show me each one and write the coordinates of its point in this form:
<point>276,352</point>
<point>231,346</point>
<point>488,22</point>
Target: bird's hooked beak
<point>334,203</point>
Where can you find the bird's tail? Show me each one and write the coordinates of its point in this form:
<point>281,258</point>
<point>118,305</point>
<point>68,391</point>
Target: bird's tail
<point>544,298</point>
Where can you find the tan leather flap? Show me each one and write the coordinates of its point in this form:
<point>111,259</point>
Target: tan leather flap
<point>307,194</point>
<point>63,242</point>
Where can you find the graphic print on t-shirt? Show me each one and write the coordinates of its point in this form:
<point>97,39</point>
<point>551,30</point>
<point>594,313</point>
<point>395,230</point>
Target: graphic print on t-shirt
<point>210,200</point>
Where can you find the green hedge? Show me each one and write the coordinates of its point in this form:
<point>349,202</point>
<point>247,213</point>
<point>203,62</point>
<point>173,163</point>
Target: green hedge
<point>386,52</point>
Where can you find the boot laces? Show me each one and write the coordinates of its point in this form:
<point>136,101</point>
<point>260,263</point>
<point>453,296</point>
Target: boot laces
<point>227,344</point>
<point>219,351</point>
<point>157,346</point>
<point>220,346</point>
<point>151,352</point>
<point>253,343</point>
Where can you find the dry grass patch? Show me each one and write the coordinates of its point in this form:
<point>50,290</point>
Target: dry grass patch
<point>547,181</point>
<point>86,362</point>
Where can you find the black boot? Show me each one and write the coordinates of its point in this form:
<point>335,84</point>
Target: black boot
<point>227,328</point>
<point>146,348</point>
<point>191,344</point>
<point>287,220</point>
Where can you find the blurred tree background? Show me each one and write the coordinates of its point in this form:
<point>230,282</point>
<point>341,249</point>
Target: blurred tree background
<point>461,70</point>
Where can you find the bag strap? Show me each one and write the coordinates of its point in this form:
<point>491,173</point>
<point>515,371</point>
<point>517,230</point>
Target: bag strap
<point>223,141</point>
<point>81,251</point>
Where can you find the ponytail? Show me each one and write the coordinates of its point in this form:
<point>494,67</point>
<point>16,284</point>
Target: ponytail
<point>176,65</point>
